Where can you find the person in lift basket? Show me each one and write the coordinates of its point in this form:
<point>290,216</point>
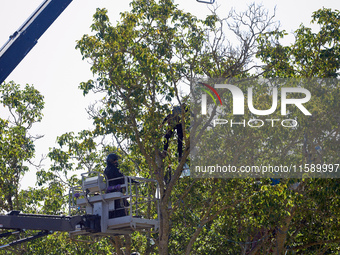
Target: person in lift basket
<point>116,179</point>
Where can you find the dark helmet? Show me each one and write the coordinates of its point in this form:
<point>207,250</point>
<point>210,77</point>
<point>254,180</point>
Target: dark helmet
<point>111,158</point>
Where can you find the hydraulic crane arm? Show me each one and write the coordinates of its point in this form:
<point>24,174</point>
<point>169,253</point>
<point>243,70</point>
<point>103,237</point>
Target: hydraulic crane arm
<point>47,224</point>
<point>24,39</point>
<point>16,220</point>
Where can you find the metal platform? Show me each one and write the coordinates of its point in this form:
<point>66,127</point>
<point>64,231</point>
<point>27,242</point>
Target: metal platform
<point>139,197</point>
<point>121,226</point>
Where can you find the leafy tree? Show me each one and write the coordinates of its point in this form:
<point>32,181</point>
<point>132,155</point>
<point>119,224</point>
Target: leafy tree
<point>313,54</point>
<point>17,148</point>
<point>143,67</point>
<point>265,219</point>
<point>280,219</point>
<point>140,66</point>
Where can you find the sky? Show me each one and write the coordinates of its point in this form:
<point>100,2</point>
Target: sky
<point>56,68</point>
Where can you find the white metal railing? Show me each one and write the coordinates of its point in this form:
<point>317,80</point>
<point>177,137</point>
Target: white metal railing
<point>140,196</point>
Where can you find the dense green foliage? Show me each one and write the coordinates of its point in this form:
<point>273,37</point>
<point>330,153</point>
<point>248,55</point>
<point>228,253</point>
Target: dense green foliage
<point>143,66</point>
<point>16,145</point>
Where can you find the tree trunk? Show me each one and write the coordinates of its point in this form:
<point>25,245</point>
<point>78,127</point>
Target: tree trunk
<point>127,244</point>
<point>192,240</point>
<point>118,244</point>
<point>164,231</point>
<point>10,202</point>
<point>281,234</point>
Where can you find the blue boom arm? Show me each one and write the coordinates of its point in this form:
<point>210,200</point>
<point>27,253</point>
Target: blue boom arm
<point>24,39</point>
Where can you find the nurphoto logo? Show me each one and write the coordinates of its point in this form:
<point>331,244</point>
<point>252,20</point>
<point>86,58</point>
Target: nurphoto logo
<point>264,128</point>
<point>238,99</point>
